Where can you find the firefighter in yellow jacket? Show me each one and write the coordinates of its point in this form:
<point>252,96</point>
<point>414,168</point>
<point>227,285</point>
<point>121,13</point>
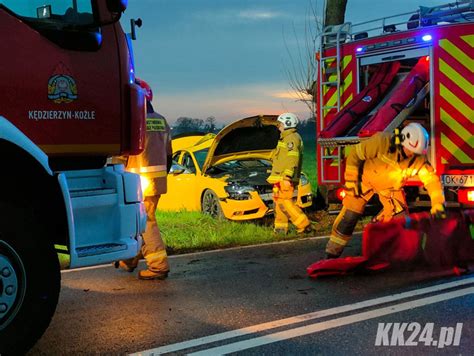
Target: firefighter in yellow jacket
<point>381,165</point>
<point>152,164</point>
<point>285,175</point>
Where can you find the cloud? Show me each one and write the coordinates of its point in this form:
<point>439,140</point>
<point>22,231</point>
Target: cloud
<point>290,95</point>
<point>237,16</point>
<point>257,15</point>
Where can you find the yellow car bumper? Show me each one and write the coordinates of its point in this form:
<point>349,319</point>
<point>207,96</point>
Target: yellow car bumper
<point>260,205</point>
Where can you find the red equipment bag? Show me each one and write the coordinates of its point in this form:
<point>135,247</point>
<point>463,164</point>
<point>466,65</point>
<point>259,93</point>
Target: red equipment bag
<point>407,91</point>
<point>439,242</point>
<point>363,102</point>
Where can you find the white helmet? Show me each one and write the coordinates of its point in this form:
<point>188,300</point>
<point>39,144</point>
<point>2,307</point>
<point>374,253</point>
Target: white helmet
<point>415,138</point>
<point>289,120</point>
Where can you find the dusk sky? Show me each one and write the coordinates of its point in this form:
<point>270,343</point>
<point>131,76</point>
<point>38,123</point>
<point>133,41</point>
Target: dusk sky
<point>229,58</point>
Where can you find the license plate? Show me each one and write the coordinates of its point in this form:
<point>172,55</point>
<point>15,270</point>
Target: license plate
<point>465,180</point>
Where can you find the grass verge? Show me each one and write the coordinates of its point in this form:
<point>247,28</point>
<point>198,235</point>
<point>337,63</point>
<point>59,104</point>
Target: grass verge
<point>309,164</point>
<point>192,231</point>
<point>185,232</point>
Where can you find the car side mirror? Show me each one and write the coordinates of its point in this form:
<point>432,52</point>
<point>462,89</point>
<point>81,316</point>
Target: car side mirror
<point>177,169</point>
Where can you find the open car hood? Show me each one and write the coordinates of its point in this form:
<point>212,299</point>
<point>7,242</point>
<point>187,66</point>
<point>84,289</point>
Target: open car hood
<point>252,137</point>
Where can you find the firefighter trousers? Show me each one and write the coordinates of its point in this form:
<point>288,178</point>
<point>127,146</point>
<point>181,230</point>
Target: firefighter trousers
<point>153,248</point>
<point>393,202</point>
<point>286,210</point>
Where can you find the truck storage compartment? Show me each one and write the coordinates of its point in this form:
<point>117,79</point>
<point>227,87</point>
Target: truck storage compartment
<point>366,100</point>
<point>403,97</point>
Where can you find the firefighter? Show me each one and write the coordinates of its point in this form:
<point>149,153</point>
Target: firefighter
<point>381,165</point>
<point>152,164</point>
<point>287,158</point>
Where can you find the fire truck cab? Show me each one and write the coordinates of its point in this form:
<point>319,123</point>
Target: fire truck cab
<point>383,74</point>
<point>68,102</point>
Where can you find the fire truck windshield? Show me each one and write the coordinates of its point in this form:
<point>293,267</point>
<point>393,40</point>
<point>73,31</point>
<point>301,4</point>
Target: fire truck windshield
<point>52,12</point>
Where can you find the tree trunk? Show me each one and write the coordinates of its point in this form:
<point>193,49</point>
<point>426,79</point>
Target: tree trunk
<point>335,11</point>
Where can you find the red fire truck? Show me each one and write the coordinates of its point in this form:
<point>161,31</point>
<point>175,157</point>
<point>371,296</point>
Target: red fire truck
<point>382,74</point>
<point>68,102</point>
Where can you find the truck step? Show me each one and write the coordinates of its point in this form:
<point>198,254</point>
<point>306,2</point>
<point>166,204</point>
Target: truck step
<point>90,192</point>
<point>327,58</point>
<point>330,70</point>
<point>99,249</point>
<point>339,141</point>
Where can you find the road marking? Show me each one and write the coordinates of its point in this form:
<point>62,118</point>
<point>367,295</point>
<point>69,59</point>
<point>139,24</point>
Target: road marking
<point>333,323</point>
<point>208,252</point>
<point>303,317</point>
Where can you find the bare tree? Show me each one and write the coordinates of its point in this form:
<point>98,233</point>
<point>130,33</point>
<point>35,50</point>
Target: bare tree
<point>302,71</point>
<point>302,68</point>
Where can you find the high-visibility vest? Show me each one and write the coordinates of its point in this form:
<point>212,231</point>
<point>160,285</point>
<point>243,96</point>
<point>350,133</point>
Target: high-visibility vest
<point>152,162</point>
<point>287,158</point>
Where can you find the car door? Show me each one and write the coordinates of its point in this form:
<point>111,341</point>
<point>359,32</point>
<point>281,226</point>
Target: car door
<point>182,183</point>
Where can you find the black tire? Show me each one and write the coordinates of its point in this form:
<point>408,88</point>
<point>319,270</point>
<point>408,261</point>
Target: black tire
<point>29,265</point>
<point>210,204</point>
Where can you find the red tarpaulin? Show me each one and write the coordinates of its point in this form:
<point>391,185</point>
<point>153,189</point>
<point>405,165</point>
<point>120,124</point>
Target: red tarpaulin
<point>445,243</point>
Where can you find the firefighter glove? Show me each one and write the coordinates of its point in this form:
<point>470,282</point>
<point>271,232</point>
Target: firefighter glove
<point>438,211</point>
<point>353,188</point>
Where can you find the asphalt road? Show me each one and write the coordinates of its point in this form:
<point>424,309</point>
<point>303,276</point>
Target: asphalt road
<point>258,301</point>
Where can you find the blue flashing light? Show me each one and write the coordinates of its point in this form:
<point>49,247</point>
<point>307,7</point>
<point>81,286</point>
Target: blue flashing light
<point>359,49</point>
<point>427,38</point>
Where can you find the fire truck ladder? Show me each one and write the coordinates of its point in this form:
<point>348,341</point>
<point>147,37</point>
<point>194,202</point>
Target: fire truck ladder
<point>333,35</point>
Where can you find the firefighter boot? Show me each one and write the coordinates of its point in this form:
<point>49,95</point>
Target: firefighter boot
<point>309,229</point>
<point>127,265</point>
<point>150,275</point>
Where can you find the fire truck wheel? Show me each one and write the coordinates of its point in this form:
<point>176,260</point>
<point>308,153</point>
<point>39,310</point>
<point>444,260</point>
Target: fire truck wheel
<point>210,204</point>
<point>29,289</point>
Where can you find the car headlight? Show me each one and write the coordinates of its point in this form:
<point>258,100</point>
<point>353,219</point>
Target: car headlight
<point>303,180</point>
<point>238,192</point>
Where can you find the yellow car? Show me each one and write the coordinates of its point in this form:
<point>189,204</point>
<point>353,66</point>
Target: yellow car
<point>224,175</point>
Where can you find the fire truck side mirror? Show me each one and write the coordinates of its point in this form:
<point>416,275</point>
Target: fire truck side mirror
<point>117,6</point>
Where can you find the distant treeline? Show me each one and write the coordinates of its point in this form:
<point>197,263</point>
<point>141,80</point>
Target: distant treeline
<point>187,124</point>
<point>306,128</point>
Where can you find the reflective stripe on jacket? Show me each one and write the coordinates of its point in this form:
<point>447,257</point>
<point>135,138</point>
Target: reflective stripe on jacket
<point>152,162</point>
<point>287,158</point>
<point>383,170</point>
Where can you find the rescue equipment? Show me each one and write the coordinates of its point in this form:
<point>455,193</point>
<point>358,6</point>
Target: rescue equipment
<point>364,101</point>
<point>442,243</point>
<point>403,96</point>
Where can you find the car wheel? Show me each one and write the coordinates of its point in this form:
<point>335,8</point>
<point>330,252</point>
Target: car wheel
<point>210,204</point>
<point>29,283</point>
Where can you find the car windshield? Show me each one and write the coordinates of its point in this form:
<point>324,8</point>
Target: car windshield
<point>52,12</point>
<point>235,165</point>
<point>201,156</point>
